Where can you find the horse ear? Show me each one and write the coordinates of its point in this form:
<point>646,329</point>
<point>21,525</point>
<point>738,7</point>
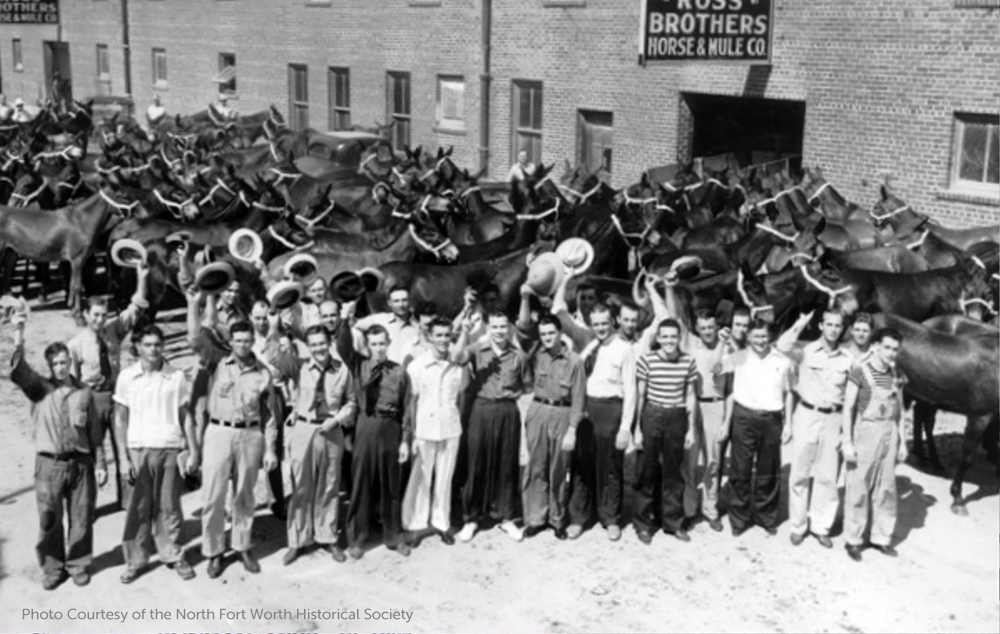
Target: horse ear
<point>451,148</point>
<point>748,273</point>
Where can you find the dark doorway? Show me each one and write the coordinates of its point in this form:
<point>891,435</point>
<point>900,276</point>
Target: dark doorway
<point>58,73</point>
<point>753,130</point>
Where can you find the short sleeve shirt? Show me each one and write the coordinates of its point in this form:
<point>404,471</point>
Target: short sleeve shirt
<point>154,401</point>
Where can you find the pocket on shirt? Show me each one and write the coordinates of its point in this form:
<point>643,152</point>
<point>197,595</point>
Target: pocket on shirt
<point>565,388</point>
<point>226,389</point>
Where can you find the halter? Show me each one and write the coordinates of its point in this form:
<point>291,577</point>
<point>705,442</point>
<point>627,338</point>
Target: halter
<point>965,303</point>
<point>886,216</point>
<point>170,164</point>
<point>819,191</point>
<point>284,175</point>
<point>778,234</point>
<point>211,193</point>
<point>919,242</point>
<point>311,222</point>
<point>637,201</point>
<point>978,262</point>
<point>175,208</point>
<point>375,188</point>
<point>287,243</point>
<point>746,298</point>
<point>548,178</point>
<point>121,207</point>
<point>539,216</point>
<point>806,256</point>
<point>274,210</point>
<point>831,293</point>
<point>633,251</point>
<point>63,154</point>
<point>27,198</point>
<point>774,198</point>
<point>427,247</point>
<point>582,198</point>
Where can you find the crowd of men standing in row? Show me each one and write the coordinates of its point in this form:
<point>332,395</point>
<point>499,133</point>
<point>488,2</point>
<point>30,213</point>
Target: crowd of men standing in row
<point>308,384</point>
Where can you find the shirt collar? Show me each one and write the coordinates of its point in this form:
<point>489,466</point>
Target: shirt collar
<point>331,366</point>
<point>818,346</point>
<point>232,360</point>
<point>560,351</point>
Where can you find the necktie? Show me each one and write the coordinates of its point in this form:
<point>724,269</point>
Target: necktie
<point>104,358</point>
<point>319,395</point>
<point>372,388</point>
<point>591,360</point>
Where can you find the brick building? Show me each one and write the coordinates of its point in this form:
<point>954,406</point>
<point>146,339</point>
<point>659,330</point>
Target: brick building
<point>902,89</point>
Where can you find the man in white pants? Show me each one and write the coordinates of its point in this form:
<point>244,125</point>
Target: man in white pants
<point>436,385</point>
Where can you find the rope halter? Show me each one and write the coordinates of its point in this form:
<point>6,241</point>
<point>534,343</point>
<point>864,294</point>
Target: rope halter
<point>123,209</point>
<point>288,243</point>
<point>831,293</point>
<point>423,244</point>
<point>754,309</point>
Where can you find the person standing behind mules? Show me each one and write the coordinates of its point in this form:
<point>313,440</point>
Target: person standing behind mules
<point>325,404</point>
<point>67,446</point>
<point>873,444</point>
<point>758,417</point>
<point>152,401</point>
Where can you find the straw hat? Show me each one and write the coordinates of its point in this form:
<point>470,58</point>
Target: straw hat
<point>577,254</point>
<point>301,268</point>
<point>215,277</point>
<point>347,285</point>
<point>372,279</point>
<point>128,253</point>
<point>285,294</point>
<point>245,244</point>
<point>545,273</point>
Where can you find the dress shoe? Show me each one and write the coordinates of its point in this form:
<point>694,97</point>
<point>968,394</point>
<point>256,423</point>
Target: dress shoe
<point>737,531</point>
<point>824,541</point>
<point>888,551</point>
<point>512,530</point>
<point>53,581</point>
<point>715,525</point>
<point>80,577</point>
<point>614,532</point>
<point>468,532</point>
<point>797,539</point>
<point>574,531</point>
<point>291,555</point>
<point>854,552</point>
<point>560,534</point>
<point>644,537</point>
<point>249,562</point>
<point>214,567</point>
<point>447,538</point>
<point>682,535</point>
<point>531,531</point>
<point>131,574</point>
<point>770,530</point>
<point>403,549</point>
<point>336,553</point>
<point>356,552</point>
<point>184,570</point>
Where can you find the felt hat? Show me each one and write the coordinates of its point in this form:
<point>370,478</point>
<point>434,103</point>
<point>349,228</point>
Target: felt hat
<point>215,277</point>
<point>128,253</point>
<point>347,285</point>
<point>372,279</point>
<point>301,268</point>
<point>577,254</point>
<point>686,266</point>
<point>285,294</point>
<point>546,273</point>
<point>13,309</point>
<point>245,244</point>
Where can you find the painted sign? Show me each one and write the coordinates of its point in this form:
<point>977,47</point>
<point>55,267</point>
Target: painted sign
<point>29,12</point>
<point>706,31</point>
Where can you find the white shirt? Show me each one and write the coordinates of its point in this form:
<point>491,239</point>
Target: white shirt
<point>401,333</point>
<point>707,360</point>
<point>614,373</point>
<point>436,384</point>
<point>154,401</point>
<point>759,382</point>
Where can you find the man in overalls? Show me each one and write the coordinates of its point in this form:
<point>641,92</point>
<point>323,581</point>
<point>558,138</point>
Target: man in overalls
<point>872,446</point>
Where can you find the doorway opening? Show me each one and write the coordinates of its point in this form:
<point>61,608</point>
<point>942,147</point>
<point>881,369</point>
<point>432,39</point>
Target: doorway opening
<point>58,72</point>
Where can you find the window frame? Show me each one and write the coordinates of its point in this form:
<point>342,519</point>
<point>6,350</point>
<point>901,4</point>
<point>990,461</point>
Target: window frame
<point>400,133</point>
<point>160,83</point>
<point>297,107</point>
<point>958,184</point>
<point>596,119</point>
<point>456,124</point>
<point>517,130</point>
<point>339,102</point>
<point>103,60</point>
<point>229,88</point>
<point>17,54</point>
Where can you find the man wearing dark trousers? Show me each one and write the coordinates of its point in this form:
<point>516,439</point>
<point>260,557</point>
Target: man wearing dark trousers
<point>381,444</point>
<point>667,382</point>
<point>67,444</point>
<point>758,416</point>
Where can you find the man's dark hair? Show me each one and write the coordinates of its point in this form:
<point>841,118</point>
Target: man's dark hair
<point>497,313</point>
<point>317,329</point>
<point>53,350</point>
<point>151,329</point>
<point>241,326</point>
<point>440,322</point>
<point>97,300</point>
<point>669,322</point>
<point>374,331</point>
<point>424,309</point>
<point>707,315</point>
<point>741,311</point>
<point>398,287</point>
<point>757,324</point>
<point>888,333</point>
<point>550,320</point>
<point>863,318</point>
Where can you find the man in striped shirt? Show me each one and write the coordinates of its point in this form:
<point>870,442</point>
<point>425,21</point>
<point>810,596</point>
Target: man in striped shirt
<point>667,380</point>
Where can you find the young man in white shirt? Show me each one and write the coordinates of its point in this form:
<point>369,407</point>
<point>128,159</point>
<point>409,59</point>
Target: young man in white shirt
<point>403,329</point>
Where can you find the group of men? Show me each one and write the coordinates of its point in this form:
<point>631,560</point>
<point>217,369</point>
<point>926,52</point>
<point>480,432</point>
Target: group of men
<point>375,397</point>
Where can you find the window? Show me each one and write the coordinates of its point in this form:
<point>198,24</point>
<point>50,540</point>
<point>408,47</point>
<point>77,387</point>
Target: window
<point>595,136</point>
<point>451,103</point>
<point>103,63</point>
<point>527,120</point>
<point>340,98</point>
<point>18,58</point>
<point>298,96</point>
<point>159,68</point>
<point>398,98</point>
<point>976,159</point>
<point>227,74</point>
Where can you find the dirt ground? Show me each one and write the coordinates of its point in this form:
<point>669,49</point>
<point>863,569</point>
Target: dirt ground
<point>945,579</point>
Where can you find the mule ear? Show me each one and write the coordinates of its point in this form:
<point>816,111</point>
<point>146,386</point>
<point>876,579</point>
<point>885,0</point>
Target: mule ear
<point>644,180</point>
<point>451,148</point>
<point>820,226</point>
<point>883,191</point>
<point>748,273</point>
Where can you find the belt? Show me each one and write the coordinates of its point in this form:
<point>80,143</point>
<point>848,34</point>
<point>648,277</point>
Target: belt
<point>496,400</point>
<point>311,421</point>
<point>604,399</point>
<point>64,457</point>
<point>759,412</point>
<point>822,410</point>
<point>238,424</point>
<point>564,402</point>
<point>711,399</point>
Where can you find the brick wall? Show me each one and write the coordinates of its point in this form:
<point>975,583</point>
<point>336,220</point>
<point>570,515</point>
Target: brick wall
<point>881,80</point>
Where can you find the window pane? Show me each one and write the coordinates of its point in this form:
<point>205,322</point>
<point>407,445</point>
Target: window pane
<point>973,152</point>
<point>405,86</point>
<point>341,120</point>
<point>536,108</point>
<point>524,110</point>
<point>993,165</point>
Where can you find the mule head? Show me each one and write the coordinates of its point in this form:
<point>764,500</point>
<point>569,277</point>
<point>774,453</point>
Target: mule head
<point>753,293</point>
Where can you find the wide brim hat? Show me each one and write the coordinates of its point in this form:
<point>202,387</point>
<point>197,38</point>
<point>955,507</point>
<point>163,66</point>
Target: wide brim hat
<point>128,253</point>
<point>215,277</point>
<point>373,280</point>
<point>11,306</point>
<point>301,268</point>
<point>285,294</point>
<point>245,244</point>
<point>347,285</point>
<point>545,273</point>
<point>577,254</point>
<point>179,237</point>
<point>687,266</point>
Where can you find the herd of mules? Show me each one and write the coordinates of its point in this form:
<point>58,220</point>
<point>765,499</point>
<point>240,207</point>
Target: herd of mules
<point>779,243</point>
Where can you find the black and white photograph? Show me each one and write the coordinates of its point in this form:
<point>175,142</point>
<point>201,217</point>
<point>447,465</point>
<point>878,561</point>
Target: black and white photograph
<point>499,316</point>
